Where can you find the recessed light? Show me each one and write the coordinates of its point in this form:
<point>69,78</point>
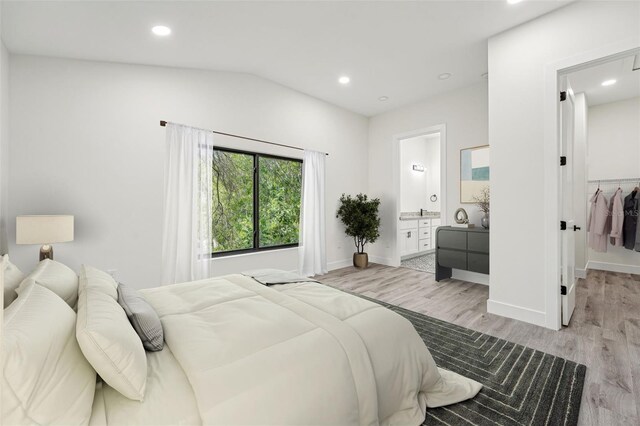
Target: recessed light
<point>513,1</point>
<point>484,75</point>
<point>383,98</point>
<point>344,80</point>
<point>161,30</point>
<point>609,82</point>
<point>444,76</point>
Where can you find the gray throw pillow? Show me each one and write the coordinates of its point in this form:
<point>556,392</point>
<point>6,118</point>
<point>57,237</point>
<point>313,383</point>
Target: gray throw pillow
<point>143,318</point>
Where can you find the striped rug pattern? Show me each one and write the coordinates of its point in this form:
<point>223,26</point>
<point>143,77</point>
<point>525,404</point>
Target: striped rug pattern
<point>522,386</point>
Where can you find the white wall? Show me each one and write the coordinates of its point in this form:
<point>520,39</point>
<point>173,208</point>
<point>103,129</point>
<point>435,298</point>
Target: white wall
<point>4,143</point>
<point>416,187</point>
<point>413,184</point>
<point>86,140</point>
<point>614,140</point>
<point>433,173</point>
<point>523,239</point>
<point>614,153</point>
<point>464,112</point>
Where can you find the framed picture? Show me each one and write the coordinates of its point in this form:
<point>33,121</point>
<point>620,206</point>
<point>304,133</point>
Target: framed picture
<point>474,172</point>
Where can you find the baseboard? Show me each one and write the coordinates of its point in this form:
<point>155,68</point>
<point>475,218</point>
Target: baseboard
<point>337,264</point>
<point>581,273</point>
<point>472,277</point>
<point>516,312</point>
<point>614,267</point>
<point>381,260</point>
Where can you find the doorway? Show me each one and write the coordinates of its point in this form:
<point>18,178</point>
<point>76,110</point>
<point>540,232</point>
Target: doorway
<point>420,181</point>
<point>600,157</point>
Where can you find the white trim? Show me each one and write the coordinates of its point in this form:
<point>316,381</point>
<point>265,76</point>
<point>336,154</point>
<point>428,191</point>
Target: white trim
<point>472,277</point>
<point>516,312</point>
<point>381,260</point>
<point>338,264</point>
<point>552,181</point>
<point>614,267</point>
<point>442,130</point>
<point>581,273</point>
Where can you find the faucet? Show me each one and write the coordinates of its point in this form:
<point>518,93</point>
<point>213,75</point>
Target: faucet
<point>422,212</point>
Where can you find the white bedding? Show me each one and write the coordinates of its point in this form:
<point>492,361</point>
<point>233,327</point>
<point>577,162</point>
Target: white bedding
<point>238,352</point>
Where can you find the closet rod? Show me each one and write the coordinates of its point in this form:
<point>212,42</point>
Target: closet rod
<point>625,180</point>
<point>163,123</point>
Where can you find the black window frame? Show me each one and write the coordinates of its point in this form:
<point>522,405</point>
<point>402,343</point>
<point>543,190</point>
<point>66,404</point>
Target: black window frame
<point>256,203</point>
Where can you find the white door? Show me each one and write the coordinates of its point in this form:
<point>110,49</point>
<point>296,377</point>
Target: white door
<point>568,277</point>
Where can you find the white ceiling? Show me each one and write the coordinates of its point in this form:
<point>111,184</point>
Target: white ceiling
<point>589,81</point>
<point>390,48</point>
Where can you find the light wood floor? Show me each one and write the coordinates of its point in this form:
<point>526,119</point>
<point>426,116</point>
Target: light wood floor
<point>604,333</point>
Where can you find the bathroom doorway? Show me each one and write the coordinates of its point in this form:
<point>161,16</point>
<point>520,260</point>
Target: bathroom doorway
<point>421,196</point>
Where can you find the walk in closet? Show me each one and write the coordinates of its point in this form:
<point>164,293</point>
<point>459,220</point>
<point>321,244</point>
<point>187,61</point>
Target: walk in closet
<point>607,165</point>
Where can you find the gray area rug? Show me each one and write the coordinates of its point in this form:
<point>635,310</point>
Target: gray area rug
<point>425,263</point>
<point>522,386</point>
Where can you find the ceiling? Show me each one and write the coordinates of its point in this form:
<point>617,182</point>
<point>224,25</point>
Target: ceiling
<point>395,49</point>
<point>589,80</point>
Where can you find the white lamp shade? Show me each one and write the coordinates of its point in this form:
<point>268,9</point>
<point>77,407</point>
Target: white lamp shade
<point>44,229</point>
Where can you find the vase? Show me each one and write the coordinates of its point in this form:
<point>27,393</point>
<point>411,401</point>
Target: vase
<point>360,260</point>
<point>485,221</point>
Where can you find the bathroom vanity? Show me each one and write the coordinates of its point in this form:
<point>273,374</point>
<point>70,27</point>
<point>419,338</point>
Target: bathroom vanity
<point>417,233</point>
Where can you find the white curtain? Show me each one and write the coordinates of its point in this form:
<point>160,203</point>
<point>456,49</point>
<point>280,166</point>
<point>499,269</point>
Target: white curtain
<point>187,227</point>
<point>312,251</point>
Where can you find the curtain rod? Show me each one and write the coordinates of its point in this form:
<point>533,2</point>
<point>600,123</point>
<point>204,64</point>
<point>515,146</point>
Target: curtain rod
<point>163,123</point>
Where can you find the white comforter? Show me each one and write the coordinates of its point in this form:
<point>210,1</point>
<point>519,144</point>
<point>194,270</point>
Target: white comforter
<point>238,352</point>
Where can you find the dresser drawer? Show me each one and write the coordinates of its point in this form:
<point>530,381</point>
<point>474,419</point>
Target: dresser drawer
<point>478,241</point>
<point>451,239</point>
<point>408,224</point>
<point>425,244</point>
<point>452,259</point>
<point>478,263</point>
<point>425,223</point>
<point>424,232</point>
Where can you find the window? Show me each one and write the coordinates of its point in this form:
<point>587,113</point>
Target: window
<point>256,201</point>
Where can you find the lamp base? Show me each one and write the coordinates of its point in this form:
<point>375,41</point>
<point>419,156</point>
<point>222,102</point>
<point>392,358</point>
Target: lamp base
<point>46,252</point>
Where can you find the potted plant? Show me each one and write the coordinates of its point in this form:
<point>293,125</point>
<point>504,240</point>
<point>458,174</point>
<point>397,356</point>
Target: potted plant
<point>482,200</point>
<point>359,215</point>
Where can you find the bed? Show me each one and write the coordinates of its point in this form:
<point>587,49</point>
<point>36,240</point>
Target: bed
<point>239,352</point>
<point>232,351</point>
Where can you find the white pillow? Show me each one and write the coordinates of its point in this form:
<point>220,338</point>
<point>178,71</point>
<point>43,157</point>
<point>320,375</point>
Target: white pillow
<point>106,336</point>
<point>57,277</point>
<point>46,378</point>
<point>12,279</point>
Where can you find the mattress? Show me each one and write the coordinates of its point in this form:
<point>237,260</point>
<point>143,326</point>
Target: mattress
<point>238,352</point>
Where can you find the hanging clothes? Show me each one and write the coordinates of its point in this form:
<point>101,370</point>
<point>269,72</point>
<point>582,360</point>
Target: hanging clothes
<point>598,221</point>
<point>616,212</point>
<point>630,225</point>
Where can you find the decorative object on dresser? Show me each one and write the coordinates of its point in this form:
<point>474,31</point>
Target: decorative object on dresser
<point>482,200</point>
<point>45,230</point>
<point>460,248</point>
<point>474,172</point>
<point>462,219</point>
<point>359,214</point>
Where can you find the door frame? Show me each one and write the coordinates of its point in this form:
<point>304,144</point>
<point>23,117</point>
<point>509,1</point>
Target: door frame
<point>442,130</point>
<point>552,179</point>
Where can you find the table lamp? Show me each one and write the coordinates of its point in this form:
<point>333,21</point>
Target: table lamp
<point>45,230</point>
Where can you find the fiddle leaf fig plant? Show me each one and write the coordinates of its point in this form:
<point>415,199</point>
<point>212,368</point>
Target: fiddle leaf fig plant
<point>359,215</point>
